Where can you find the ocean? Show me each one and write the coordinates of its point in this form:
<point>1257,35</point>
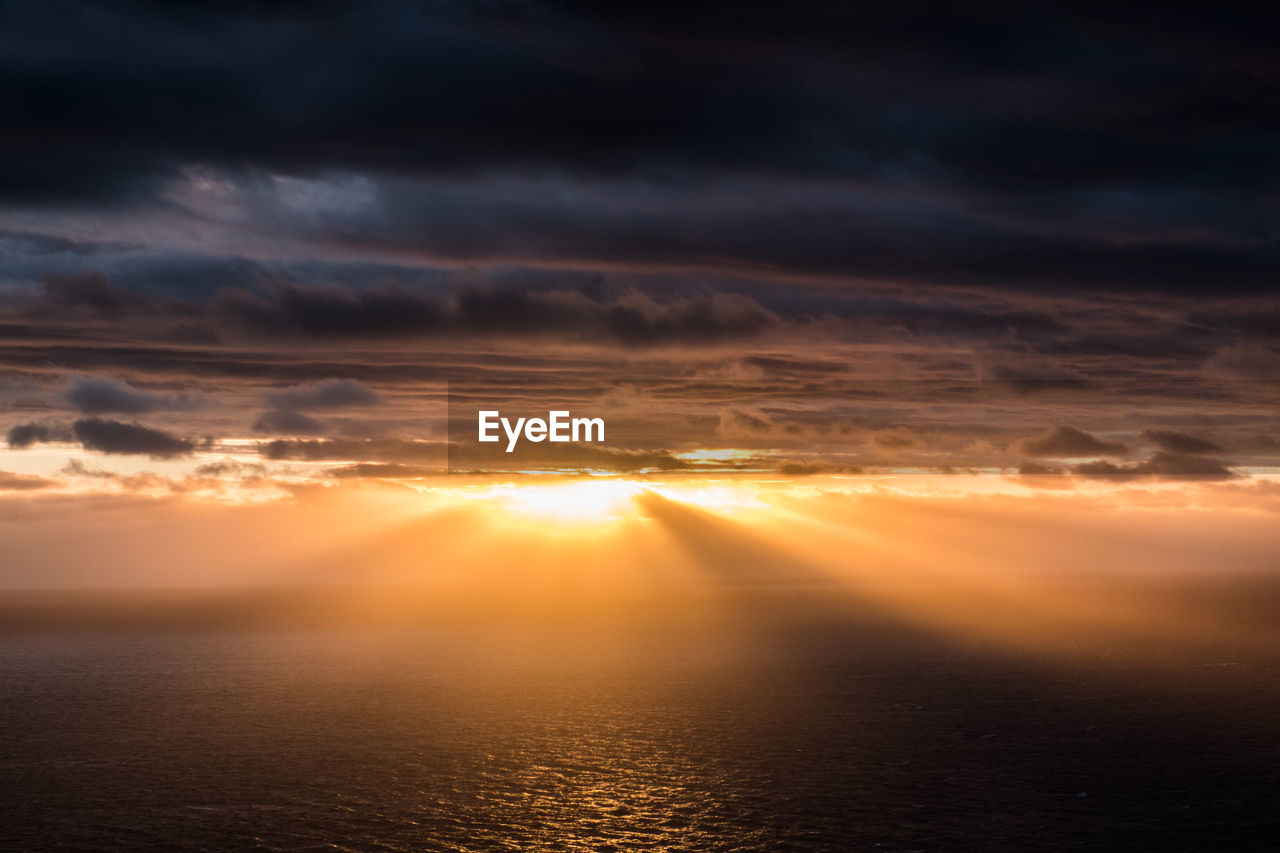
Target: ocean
<point>782,722</point>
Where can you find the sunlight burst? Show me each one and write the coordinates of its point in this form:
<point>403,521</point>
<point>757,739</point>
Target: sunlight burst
<point>588,501</point>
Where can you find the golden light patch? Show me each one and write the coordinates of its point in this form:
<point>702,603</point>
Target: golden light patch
<point>582,501</point>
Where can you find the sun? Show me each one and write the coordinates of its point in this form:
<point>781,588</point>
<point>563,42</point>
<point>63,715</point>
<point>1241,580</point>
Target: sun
<point>590,503</point>
<point>584,501</point>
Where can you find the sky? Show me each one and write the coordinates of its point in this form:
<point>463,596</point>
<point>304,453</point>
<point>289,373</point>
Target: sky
<point>253,252</point>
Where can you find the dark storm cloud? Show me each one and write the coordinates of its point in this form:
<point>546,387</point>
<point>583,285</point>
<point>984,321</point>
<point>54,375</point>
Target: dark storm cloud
<point>287,422</point>
<point>327,312</point>
<point>1180,443</point>
<point>818,85</point>
<point>107,436</point>
<point>25,435</point>
<point>325,395</point>
<point>231,468</point>
<point>566,306</point>
<point>781,366</point>
<point>1035,469</point>
<point>1030,378</point>
<point>1066,441</point>
<point>793,468</point>
<point>1045,334</point>
<point>392,311</point>
<point>291,405</point>
<point>94,395</point>
<point>1100,147</point>
<point>781,229</point>
<point>1169,466</point>
<point>1053,212</point>
<point>81,294</point>
<point>356,450</point>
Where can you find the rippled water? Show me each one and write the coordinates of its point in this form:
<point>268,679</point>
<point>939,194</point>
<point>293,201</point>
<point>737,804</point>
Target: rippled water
<point>791,732</point>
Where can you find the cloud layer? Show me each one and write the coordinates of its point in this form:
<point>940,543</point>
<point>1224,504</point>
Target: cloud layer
<point>882,239</point>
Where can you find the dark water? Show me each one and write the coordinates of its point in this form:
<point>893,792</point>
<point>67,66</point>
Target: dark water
<point>785,728</point>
